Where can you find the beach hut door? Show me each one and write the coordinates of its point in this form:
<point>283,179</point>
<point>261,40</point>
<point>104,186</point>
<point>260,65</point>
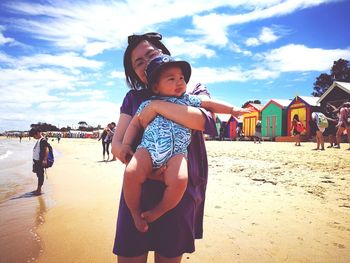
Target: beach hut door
<point>271,126</point>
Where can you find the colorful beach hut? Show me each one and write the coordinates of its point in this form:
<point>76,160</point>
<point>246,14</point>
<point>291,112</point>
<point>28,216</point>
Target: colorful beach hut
<point>250,119</point>
<point>303,106</point>
<point>274,118</point>
<point>228,123</point>
<point>336,94</point>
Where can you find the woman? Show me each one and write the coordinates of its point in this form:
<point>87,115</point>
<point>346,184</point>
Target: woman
<point>297,128</point>
<point>343,123</point>
<point>173,234</point>
<point>105,145</point>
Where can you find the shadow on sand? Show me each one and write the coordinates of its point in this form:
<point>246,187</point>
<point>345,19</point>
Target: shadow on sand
<point>27,195</point>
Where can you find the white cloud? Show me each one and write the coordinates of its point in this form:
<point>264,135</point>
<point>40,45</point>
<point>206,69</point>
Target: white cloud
<point>67,60</point>
<point>5,40</point>
<point>21,86</point>
<point>214,27</point>
<point>216,75</point>
<point>297,58</point>
<point>252,41</point>
<point>267,35</point>
<point>193,49</point>
<point>95,27</point>
<point>235,48</point>
<point>46,95</point>
<point>118,74</point>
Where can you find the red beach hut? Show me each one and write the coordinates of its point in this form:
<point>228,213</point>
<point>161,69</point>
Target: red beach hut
<point>303,106</point>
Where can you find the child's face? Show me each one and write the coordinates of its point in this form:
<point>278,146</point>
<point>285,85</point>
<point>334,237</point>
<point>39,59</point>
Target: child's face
<point>171,82</point>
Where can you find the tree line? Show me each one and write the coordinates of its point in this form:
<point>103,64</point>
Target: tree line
<point>83,126</point>
<point>340,71</point>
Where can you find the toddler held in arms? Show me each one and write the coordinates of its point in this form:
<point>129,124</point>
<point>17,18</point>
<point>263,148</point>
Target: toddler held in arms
<point>164,142</point>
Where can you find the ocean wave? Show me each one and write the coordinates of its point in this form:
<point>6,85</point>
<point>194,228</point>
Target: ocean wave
<point>5,155</point>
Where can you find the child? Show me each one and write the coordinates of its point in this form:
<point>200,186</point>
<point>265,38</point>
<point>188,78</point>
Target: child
<point>164,142</point>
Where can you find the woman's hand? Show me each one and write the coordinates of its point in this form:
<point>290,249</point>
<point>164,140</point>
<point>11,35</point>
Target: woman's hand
<point>147,114</point>
<point>126,153</point>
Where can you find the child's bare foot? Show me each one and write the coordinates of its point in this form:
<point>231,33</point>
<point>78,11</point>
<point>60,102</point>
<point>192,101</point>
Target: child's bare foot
<point>140,223</point>
<point>150,216</point>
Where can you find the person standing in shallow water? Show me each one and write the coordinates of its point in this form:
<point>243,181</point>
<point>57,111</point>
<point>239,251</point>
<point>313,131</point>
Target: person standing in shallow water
<point>175,232</point>
<point>40,153</point>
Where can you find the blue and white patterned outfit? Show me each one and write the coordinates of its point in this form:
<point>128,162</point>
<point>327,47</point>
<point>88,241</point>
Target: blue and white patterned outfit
<point>164,138</point>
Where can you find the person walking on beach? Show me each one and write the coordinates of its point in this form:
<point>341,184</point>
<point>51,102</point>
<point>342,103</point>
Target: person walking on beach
<point>331,131</point>
<point>257,135</point>
<point>164,142</point>
<point>40,153</point>
<point>343,123</point>
<point>105,141</point>
<point>297,128</point>
<point>318,124</point>
<point>175,232</point>
<point>112,131</point>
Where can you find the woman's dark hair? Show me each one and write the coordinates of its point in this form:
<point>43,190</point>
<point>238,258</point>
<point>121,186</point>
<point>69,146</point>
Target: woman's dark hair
<point>34,131</point>
<point>296,117</point>
<point>132,79</point>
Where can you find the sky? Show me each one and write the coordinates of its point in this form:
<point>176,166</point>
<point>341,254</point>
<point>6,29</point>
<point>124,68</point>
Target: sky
<point>61,62</point>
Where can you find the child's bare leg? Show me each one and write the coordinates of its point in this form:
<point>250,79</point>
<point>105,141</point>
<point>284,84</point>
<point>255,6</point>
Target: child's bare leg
<point>321,141</point>
<point>318,139</point>
<point>134,176</point>
<point>176,178</point>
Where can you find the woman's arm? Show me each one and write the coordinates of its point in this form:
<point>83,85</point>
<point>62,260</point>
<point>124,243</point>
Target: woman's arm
<point>126,151</point>
<point>117,142</point>
<point>190,117</point>
<point>123,123</point>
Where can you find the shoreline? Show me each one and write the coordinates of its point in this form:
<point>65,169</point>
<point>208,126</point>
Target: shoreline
<point>22,213</point>
<point>268,202</point>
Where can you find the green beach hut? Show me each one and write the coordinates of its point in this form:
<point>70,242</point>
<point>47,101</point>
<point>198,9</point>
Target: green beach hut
<point>274,118</point>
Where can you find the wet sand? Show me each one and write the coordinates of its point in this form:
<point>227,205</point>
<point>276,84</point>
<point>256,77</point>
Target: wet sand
<point>269,202</point>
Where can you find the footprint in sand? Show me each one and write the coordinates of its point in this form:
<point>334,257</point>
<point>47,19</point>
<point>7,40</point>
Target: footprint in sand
<point>338,245</point>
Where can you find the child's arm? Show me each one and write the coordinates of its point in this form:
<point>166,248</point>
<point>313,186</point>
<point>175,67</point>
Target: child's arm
<point>222,107</point>
<point>130,135</point>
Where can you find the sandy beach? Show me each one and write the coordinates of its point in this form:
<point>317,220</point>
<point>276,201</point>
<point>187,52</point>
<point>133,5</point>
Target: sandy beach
<point>269,202</point>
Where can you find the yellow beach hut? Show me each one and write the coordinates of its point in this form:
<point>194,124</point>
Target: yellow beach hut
<point>250,119</point>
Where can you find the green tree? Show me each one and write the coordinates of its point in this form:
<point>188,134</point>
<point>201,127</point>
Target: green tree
<point>251,101</point>
<point>43,126</point>
<point>340,71</point>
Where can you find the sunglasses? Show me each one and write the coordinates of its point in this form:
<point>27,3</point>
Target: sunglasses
<point>136,38</point>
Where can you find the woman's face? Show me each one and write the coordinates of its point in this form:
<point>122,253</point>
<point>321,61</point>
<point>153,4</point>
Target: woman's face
<point>140,57</point>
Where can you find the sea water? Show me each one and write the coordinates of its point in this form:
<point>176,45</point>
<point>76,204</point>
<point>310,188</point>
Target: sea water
<point>16,160</point>
<point>21,212</point>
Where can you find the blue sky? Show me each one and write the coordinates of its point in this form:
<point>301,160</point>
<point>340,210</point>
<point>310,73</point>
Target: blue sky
<point>61,61</point>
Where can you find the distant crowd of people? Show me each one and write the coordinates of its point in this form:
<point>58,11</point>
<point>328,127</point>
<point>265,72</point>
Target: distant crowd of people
<point>332,123</point>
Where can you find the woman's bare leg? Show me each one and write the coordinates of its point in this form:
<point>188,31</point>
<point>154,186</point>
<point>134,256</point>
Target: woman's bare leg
<point>338,136</point>
<point>139,259</point>
<point>135,175</point>
<point>160,259</point>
